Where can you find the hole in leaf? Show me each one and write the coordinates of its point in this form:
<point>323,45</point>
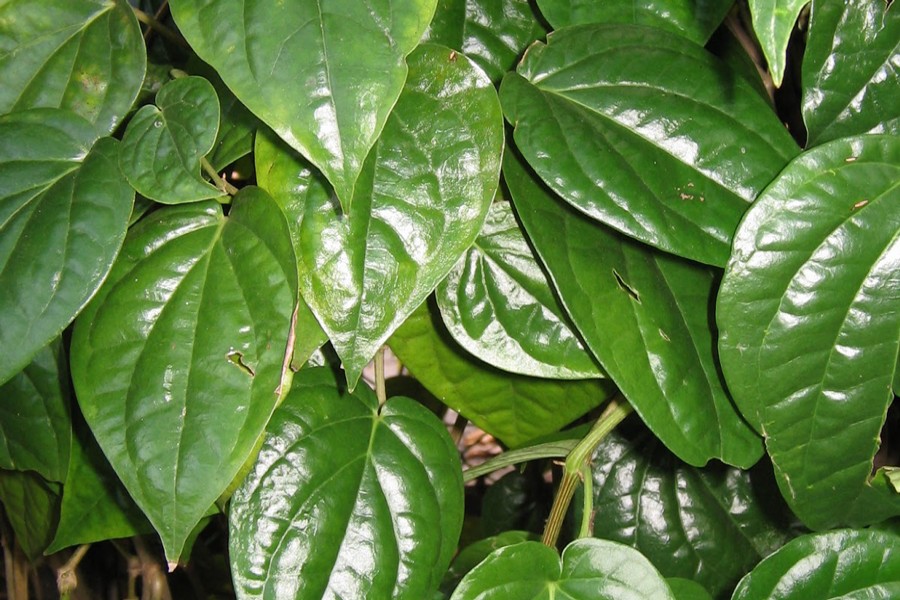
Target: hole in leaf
<point>627,288</point>
<point>237,358</point>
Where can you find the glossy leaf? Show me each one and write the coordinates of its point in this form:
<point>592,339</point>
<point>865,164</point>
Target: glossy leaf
<point>347,499</point>
<point>809,313</point>
<point>686,589</point>
<point>178,359</point>
<point>64,207</point>
<point>323,74</point>
<point>589,569</point>
<point>469,557</point>
<point>426,190</point>
<point>836,564</point>
<point>86,56</point>
<point>35,425</point>
<point>32,506</point>
<point>773,22</point>
<point>695,20</point>
<point>516,501</point>
<point>850,77</point>
<point>646,317</point>
<point>497,304</point>
<point>493,33</point>
<point>163,144</point>
<point>670,157</point>
<point>514,408</point>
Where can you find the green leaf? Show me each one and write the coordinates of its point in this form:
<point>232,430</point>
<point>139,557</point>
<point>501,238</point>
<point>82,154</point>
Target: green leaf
<point>685,589</point>
<point>497,304</point>
<point>670,157</point>
<point>347,499</point>
<point>773,22</point>
<point>64,208</point>
<point>424,195</point>
<point>493,33</point>
<point>470,556</point>
<point>35,424</point>
<point>32,506</point>
<point>850,78</point>
<point>86,56</point>
<point>588,570</point>
<point>836,564</point>
<point>178,360</point>
<point>163,144</point>
<point>513,408</point>
<point>516,501</point>
<point>809,313</point>
<point>323,74</point>
<point>694,19</point>
<point>653,335</point>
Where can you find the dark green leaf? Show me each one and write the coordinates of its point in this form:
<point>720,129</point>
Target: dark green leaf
<point>514,408</point>
<point>646,316</point>
<point>837,564</point>
<point>470,556</point>
<point>178,359</point>
<point>516,501</point>
<point>850,77</point>
<point>32,507</point>
<point>497,304</point>
<point>670,156</point>
<point>347,500</point>
<point>324,76</point>
<point>237,125</point>
<point>64,208</point>
<point>773,22</point>
<point>685,589</point>
<point>809,313</point>
<point>86,56</point>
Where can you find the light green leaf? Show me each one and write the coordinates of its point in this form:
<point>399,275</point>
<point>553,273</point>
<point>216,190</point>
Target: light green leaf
<point>347,499</point>
<point>686,589</point>
<point>773,22</point>
<point>469,557</point>
<point>324,74</point>
<point>178,360</point>
<point>669,156</point>
<point>31,504</point>
<point>809,313</point>
<point>64,208</point>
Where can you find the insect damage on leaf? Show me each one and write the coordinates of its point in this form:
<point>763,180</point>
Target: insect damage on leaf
<point>627,288</point>
<point>236,357</point>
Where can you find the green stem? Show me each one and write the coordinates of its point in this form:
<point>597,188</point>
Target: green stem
<point>380,390</point>
<point>513,457</point>
<point>220,183</point>
<point>159,28</point>
<point>587,506</point>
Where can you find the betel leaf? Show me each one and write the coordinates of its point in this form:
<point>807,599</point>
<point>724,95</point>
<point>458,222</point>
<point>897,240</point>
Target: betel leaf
<point>497,304</point>
<point>32,506</point>
<point>469,557</point>
<point>694,19</point>
<point>589,569</point>
<point>35,424</point>
<point>347,499</point>
<point>178,359</point>
<point>422,199</point>
<point>832,565</point>
<point>493,33</point>
<point>686,589</point>
<point>773,22</point>
<point>324,74</point>
<point>850,77</point>
<point>513,408</point>
<point>163,144</point>
<point>670,156</point>
<point>646,316</point>
<point>64,208</point>
<point>809,314</point>
<point>85,56</point>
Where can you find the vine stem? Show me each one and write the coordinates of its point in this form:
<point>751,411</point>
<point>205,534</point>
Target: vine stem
<point>574,467</point>
<point>380,390</point>
<point>218,181</point>
<point>159,28</point>
<point>66,580</point>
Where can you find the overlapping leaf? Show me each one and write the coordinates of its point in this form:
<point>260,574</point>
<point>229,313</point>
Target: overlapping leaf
<point>64,208</point>
<point>646,316</point>
<point>670,156</point>
<point>809,313</point>
<point>773,22</point>
<point>346,499</point>
<point>324,74</point>
<point>31,504</point>
<point>178,360</point>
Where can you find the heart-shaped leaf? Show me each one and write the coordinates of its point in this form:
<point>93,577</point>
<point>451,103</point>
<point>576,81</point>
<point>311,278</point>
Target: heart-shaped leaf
<point>32,506</point>
<point>589,569</point>
<point>471,556</point>
<point>178,359</point>
<point>646,316</point>
<point>324,74</point>
<point>163,145</point>
<point>670,156</point>
<point>424,195</point>
<point>809,313</point>
<point>825,566</point>
<point>346,499</point>
<point>850,78</point>
<point>498,305</point>
<point>64,208</point>
<point>773,22</point>
<point>86,56</point>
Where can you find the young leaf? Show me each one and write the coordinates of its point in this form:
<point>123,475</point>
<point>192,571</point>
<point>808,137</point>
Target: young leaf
<point>32,506</point>
<point>346,499</point>
<point>773,22</point>
<point>469,557</point>
<point>809,313</point>
<point>323,74</point>
<point>64,208</point>
<point>670,156</point>
<point>178,359</point>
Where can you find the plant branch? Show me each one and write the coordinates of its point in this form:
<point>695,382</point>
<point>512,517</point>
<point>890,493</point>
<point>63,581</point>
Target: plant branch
<point>218,181</point>
<point>513,457</point>
<point>159,28</point>
<point>752,49</point>
<point>66,579</point>
<point>380,390</point>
